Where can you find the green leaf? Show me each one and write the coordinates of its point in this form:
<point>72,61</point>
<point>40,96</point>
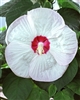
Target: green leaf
<point>7,6</point>
<point>69,4</point>
<point>42,2</point>
<point>68,75</point>
<point>51,1</point>
<point>0,73</point>
<point>36,5</point>
<point>47,4</point>
<point>5,65</point>
<point>17,10</point>
<point>3,29</point>
<point>64,95</point>
<point>78,34</point>
<point>5,72</point>
<point>1,56</point>
<point>71,17</point>
<point>75,86</point>
<point>2,47</point>
<point>2,37</point>
<point>43,85</point>
<point>38,94</point>
<point>52,90</point>
<point>78,58</point>
<point>16,88</point>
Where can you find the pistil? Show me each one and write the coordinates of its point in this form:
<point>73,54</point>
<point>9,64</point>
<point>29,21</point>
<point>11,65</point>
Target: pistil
<point>40,49</point>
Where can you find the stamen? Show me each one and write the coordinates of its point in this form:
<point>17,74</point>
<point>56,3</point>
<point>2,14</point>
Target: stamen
<point>40,49</point>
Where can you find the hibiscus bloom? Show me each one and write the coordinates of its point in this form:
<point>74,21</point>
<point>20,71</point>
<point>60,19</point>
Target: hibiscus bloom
<point>40,46</point>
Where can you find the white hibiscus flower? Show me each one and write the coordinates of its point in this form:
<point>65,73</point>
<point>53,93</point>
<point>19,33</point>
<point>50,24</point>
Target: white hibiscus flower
<point>40,45</point>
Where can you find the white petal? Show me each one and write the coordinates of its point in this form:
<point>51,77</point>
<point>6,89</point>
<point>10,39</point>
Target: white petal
<point>64,47</point>
<point>40,21</point>
<point>47,22</point>
<point>21,30</point>
<point>45,68</point>
<point>18,57</point>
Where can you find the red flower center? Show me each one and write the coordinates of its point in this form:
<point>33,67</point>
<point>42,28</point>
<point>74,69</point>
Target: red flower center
<point>40,45</point>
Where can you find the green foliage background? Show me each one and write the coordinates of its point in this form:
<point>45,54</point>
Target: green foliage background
<point>65,88</point>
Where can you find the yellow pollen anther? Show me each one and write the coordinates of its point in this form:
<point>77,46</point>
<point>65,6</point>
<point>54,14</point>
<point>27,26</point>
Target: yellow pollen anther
<point>40,49</point>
